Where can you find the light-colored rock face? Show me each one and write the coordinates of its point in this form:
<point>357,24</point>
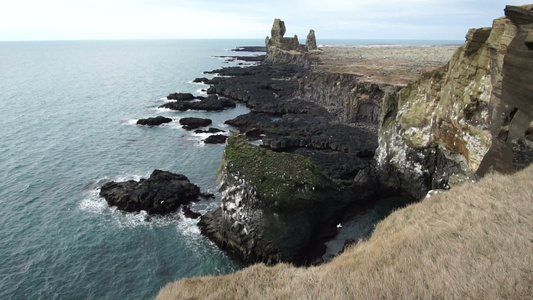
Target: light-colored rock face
<point>471,108</point>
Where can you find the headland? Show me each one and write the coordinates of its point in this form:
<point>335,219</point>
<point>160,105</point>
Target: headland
<point>343,126</point>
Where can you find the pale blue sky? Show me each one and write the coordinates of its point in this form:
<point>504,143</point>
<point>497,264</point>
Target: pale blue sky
<point>155,19</point>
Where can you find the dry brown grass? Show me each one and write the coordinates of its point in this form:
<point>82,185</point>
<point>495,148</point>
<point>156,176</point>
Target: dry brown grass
<point>473,242</point>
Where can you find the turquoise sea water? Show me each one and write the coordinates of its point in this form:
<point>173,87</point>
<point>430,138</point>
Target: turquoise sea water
<point>67,123</point>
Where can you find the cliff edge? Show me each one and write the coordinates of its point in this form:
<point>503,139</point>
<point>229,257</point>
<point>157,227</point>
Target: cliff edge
<point>470,116</point>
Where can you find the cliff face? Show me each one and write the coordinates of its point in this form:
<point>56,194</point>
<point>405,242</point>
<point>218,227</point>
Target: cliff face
<point>273,204</point>
<point>345,96</point>
<point>464,115</point>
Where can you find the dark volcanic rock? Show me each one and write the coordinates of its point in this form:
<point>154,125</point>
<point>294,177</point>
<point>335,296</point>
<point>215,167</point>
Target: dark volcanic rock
<point>181,96</point>
<point>188,213</point>
<point>258,58</point>
<point>208,104</point>
<point>162,193</point>
<point>275,206</point>
<point>210,130</point>
<point>216,139</point>
<point>250,49</point>
<point>154,121</point>
<point>193,123</point>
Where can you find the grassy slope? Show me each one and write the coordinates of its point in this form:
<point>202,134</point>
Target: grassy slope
<point>475,241</point>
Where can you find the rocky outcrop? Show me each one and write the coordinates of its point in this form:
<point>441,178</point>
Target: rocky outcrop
<point>216,139</point>
<point>462,119</point>
<point>274,205</point>
<point>452,125</point>
<point>154,121</point>
<point>211,103</point>
<point>310,42</point>
<point>181,96</point>
<point>282,50</point>
<point>162,193</point>
<point>193,123</point>
<point>278,40</point>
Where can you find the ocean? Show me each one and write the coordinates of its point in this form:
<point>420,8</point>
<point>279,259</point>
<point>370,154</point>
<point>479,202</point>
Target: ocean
<point>67,124</point>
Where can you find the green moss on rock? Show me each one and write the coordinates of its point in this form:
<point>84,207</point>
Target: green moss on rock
<point>282,181</point>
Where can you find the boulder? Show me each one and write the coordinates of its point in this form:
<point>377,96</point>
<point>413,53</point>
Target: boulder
<point>154,121</point>
<point>216,139</point>
<point>162,193</point>
<point>181,96</point>
<point>193,123</point>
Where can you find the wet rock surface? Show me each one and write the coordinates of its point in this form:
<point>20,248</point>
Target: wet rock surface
<point>154,121</point>
<point>211,103</point>
<point>193,123</point>
<point>216,139</point>
<point>162,193</point>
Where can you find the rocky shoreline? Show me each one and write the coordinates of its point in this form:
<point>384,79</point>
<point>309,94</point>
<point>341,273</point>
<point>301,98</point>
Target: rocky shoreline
<point>335,135</point>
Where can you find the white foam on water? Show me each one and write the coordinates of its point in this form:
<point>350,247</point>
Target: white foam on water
<point>163,109</point>
<point>129,122</point>
<point>95,204</point>
<point>202,91</point>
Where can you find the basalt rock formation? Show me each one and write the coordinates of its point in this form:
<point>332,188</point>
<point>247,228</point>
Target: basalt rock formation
<point>154,121</point>
<point>188,101</point>
<point>283,50</point>
<point>363,138</point>
<point>468,117</point>
<point>310,42</point>
<point>162,193</point>
<point>193,123</point>
<point>277,38</point>
<point>275,206</point>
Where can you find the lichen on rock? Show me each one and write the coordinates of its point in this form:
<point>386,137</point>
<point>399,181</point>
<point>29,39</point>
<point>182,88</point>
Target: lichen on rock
<point>472,110</point>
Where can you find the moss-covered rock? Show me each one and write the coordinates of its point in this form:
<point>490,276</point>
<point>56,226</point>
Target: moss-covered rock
<point>283,181</point>
<point>273,204</point>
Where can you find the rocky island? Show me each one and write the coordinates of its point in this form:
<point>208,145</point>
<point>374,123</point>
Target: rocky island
<point>341,129</point>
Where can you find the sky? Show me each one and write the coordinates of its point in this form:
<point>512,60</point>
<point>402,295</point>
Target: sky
<point>230,19</point>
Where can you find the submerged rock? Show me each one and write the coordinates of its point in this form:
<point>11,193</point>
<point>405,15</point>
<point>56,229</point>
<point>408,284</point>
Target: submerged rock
<point>154,121</point>
<point>273,205</point>
<point>162,193</point>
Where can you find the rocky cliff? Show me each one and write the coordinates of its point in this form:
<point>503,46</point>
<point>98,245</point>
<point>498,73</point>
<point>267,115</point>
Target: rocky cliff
<point>275,206</point>
<point>349,99</point>
<point>470,116</point>
<point>451,125</point>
